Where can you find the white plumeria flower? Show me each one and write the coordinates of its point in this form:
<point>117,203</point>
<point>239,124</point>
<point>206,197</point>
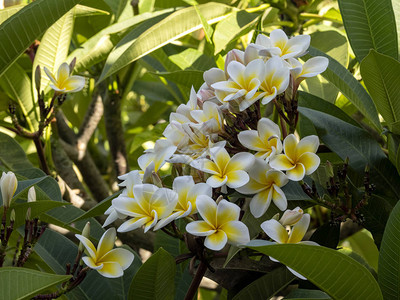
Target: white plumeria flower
<point>183,112</point>
<point>312,67</point>
<point>266,184</point>
<point>107,261</point>
<point>188,192</point>
<point>176,135</point>
<point>278,233</point>
<point>243,83</point>
<point>276,79</point>
<point>64,82</point>
<point>210,118</point>
<point>278,44</point>
<point>113,215</point>
<point>299,158</point>
<point>225,170</point>
<point>291,216</point>
<point>8,186</point>
<point>221,224</point>
<point>151,206</point>
<point>162,151</point>
<point>266,140</point>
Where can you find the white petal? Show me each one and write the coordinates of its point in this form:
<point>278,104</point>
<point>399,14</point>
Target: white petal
<point>91,264</point>
<point>87,244</point>
<point>237,233</point>
<point>314,66</point>
<point>106,242</point>
<point>111,270</point>
<point>240,161</point>
<point>216,241</point>
<point>279,198</point>
<point>298,275</point>
<point>121,256</point>
<point>236,71</point>
<point>199,228</point>
<point>237,179</point>
<point>299,229</point>
<point>260,203</point>
<point>213,75</point>
<point>307,144</point>
<point>207,209</point>
<point>227,212</point>
<point>275,231</point>
<point>251,140</point>
<point>132,224</point>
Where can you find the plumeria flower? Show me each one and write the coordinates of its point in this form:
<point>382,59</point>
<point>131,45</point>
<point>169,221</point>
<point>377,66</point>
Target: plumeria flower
<point>176,135</point>
<point>163,150</point>
<point>8,186</point>
<point>243,84</point>
<point>150,207</point>
<point>276,79</point>
<point>188,192</point>
<point>225,170</point>
<point>278,233</point>
<point>278,44</point>
<point>221,224</point>
<point>210,117</point>
<point>64,82</point>
<point>299,158</point>
<point>107,261</point>
<point>183,112</point>
<point>266,184</point>
<point>312,67</point>
<point>266,140</point>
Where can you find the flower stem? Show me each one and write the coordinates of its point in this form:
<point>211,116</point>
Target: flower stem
<point>201,270</point>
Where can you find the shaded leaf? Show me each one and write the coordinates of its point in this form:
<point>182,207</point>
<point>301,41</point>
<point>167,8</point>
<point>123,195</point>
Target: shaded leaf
<point>187,78</point>
<point>307,294</point>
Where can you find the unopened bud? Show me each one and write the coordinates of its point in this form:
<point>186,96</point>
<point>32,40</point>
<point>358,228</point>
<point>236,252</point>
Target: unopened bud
<point>219,199</point>
<point>156,179</point>
<point>38,77</point>
<point>86,234</point>
<point>329,169</point>
<point>276,217</point>
<point>12,216</point>
<point>28,214</point>
<point>72,66</point>
<point>291,217</point>
<point>32,195</point>
<point>8,186</point>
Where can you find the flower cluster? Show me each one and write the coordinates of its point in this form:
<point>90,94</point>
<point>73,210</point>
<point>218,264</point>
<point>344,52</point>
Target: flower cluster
<point>223,149</point>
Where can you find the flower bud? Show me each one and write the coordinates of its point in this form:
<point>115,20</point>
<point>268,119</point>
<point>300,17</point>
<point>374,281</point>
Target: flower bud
<point>8,186</point>
<point>291,217</point>
<point>86,234</point>
<point>32,195</point>
<point>329,169</point>
<point>28,214</point>
<point>12,216</point>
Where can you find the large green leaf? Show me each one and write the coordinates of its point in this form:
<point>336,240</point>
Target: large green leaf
<point>22,283</point>
<point>173,27</point>
<point>350,87</point>
<point>53,49</point>
<point>306,294</point>
<point>187,78</point>
<point>97,47</point>
<point>396,10</point>
<point>232,27</point>
<point>12,156</point>
<point>369,25</point>
<point>9,11</point>
<point>16,83</point>
<point>155,279</point>
<point>266,286</point>
<point>338,275</point>
<point>389,257</point>
<point>19,31</point>
<point>380,74</point>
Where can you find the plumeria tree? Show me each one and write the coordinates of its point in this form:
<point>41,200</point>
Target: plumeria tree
<point>148,145</point>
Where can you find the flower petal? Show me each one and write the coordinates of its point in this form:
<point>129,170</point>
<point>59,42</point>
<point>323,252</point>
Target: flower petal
<point>50,75</point>
<point>236,72</point>
<point>299,229</point>
<point>260,202</point>
<point>216,241</point>
<point>240,161</point>
<point>237,233</point>
<point>213,75</point>
<point>91,250</point>
<point>252,187</point>
<point>151,222</point>
<point>74,83</point>
<point>297,173</point>
<point>298,275</point>
<point>91,264</point>
<point>216,181</point>
<point>106,242</point>
<point>281,162</point>
<point>237,179</point>
<point>267,128</point>
<point>200,228</point>
<point>207,209</point>
<point>227,212</point>
<point>310,161</point>
<point>307,144</point>
<point>275,231</point>
<point>251,140</point>
<point>314,66</point>
<point>289,146</point>
<point>111,270</point>
<point>163,202</point>
<point>279,198</point>
<point>132,224</point>
<point>63,73</point>
<point>121,256</point>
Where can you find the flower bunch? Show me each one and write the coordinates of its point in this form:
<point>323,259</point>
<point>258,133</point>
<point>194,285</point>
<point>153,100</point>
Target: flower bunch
<point>222,149</point>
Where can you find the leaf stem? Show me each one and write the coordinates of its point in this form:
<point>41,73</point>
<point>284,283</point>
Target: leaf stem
<point>201,270</point>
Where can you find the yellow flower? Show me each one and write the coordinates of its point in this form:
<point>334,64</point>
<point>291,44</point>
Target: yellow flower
<point>299,158</point>
<point>266,184</point>
<point>107,261</point>
<point>64,82</point>
<point>221,224</point>
<point>8,186</point>
<point>224,169</point>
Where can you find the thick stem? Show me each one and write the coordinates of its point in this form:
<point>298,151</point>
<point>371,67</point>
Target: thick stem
<point>201,270</point>
<point>40,152</point>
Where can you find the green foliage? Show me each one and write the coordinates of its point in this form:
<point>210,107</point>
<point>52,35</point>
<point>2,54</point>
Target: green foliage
<point>332,272</point>
<point>22,283</point>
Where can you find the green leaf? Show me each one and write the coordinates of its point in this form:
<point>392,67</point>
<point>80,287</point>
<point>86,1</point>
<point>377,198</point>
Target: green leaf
<point>117,6</point>
<point>7,12</point>
<point>192,59</point>
<point>369,25</point>
<point>380,74</point>
<point>53,49</point>
<point>231,28</point>
<point>16,83</point>
<point>187,78</point>
<point>339,276</point>
<point>97,47</point>
<point>266,286</point>
<point>155,278</point>
<point>398,160</point>
<point>389,257</point>
<point>396,10</point>
<point>350,87</point>
<point>11,154</point>
<point>307,294</point>
<point>16,36</point>
<point>173,27</point>
<point>22,283</point>
<point>86,11</point>
<point>99,209</point>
